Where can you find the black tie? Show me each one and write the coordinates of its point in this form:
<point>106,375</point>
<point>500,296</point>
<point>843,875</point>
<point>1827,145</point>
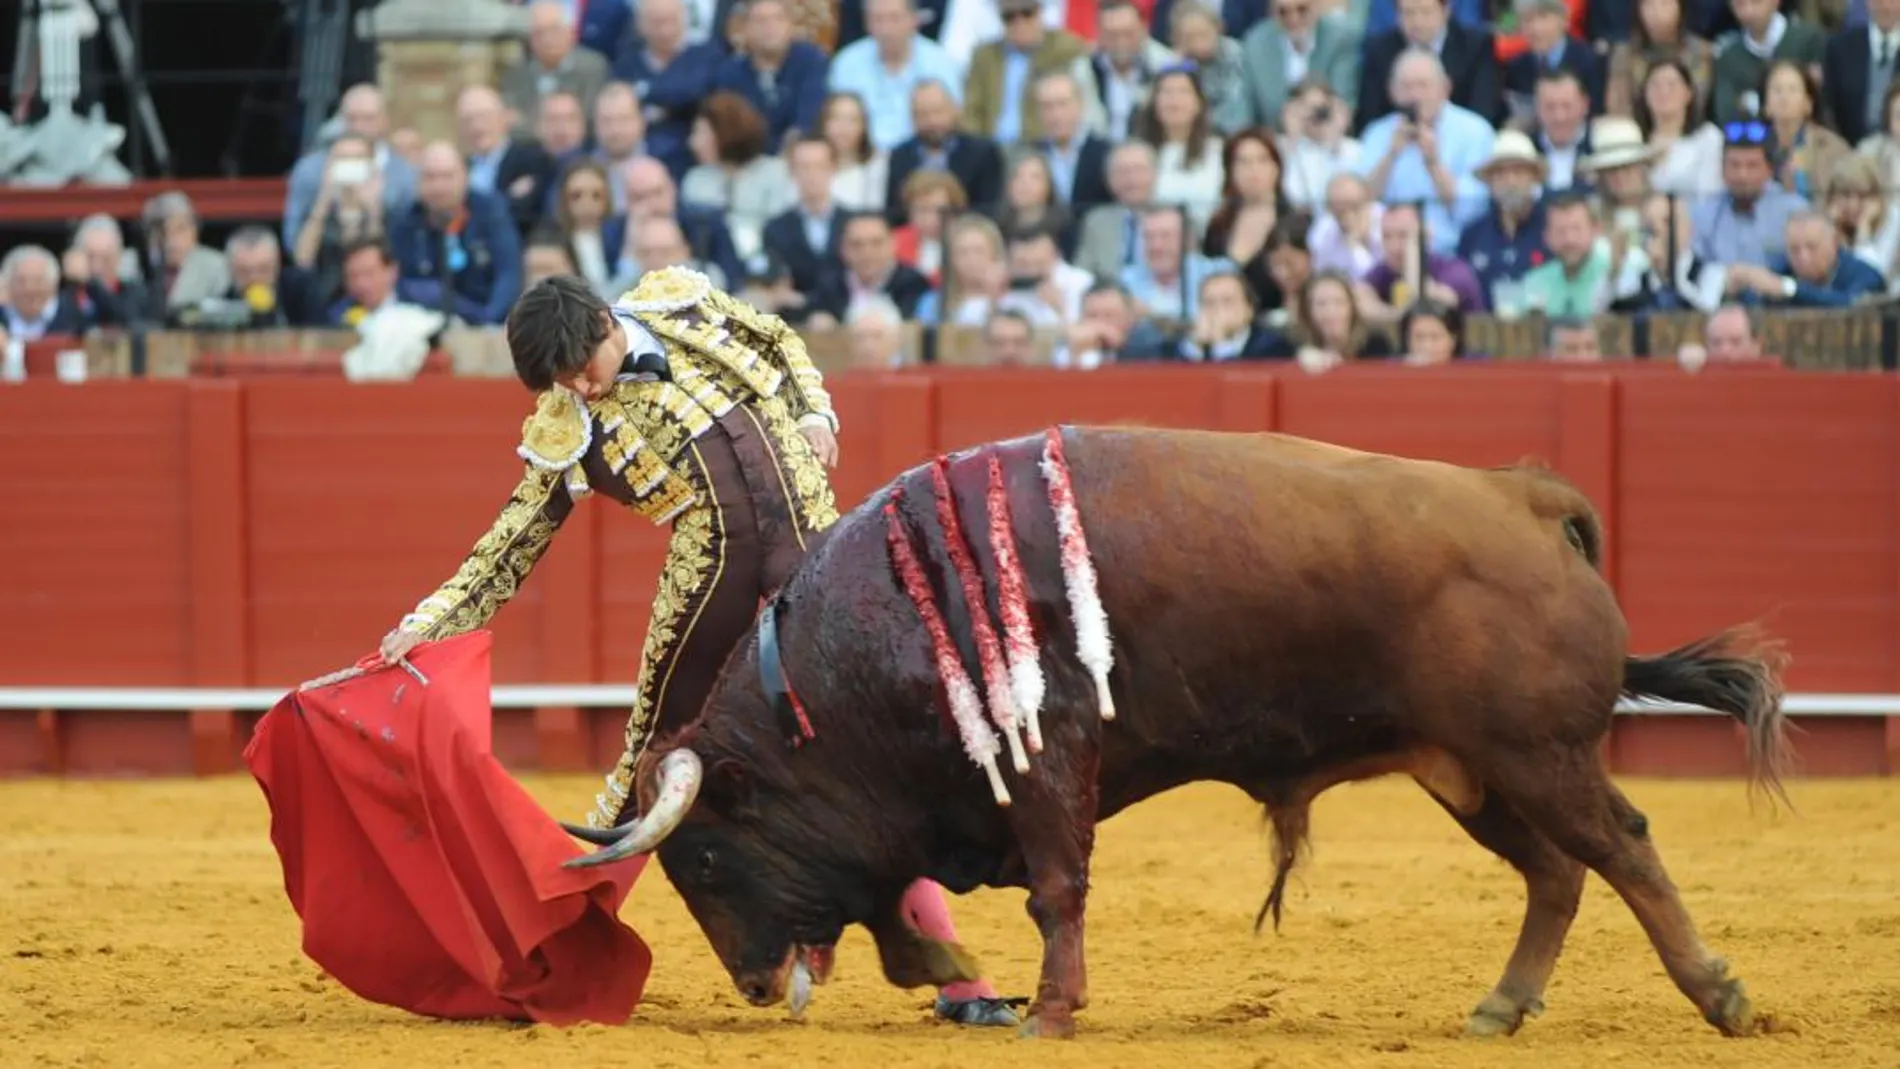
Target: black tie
<point>1886,51</point>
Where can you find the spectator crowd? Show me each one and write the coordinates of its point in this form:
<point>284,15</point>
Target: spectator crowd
<point>1201,180</point>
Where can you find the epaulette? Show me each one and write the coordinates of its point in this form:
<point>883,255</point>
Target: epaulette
<point>670,289</point>
<point>743,314</point>
<point>557,435</point>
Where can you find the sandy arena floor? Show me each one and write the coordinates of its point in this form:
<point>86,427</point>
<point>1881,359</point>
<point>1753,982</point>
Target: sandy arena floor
<point>144,924</point>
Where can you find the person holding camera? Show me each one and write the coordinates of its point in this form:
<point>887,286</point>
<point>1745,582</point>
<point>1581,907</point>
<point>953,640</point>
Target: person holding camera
<point>348,209</point>
<point>1314,144</point>
<point>1428,150</point>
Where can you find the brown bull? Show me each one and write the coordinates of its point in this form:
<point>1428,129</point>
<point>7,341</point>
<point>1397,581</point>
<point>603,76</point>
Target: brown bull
<point>1286,616</point>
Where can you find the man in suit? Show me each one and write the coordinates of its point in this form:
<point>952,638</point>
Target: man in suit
<point>1860,65</point>
<point>782,77</point>
<point>1549,47</point>
<point>458,247</point>
<point>1077,159</point>
<point>1280,53</point>
<point>1812,273</point>
<point>1561,126</point>
<point>518,172</point>
<point>33,308</point>
<point>1742,56</point>
<point>870,266</point>
<point>279,295</point>
<point>1110,238</point>
<point>1468,54</point>
<point>804,239</point>
<point>670,76</point>
<point>553,64</point>
<point>998,99</point>
<point>938,146</point>
<point>652,191</point>
<point>1126,62</point>
<point>364,115</point>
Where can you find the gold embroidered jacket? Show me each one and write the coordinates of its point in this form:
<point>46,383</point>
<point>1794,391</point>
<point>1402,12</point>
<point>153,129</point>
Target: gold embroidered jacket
<point>721,352</point>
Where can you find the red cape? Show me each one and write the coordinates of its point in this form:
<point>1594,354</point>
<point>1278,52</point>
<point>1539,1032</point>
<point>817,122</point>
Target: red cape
<point>425,876</point>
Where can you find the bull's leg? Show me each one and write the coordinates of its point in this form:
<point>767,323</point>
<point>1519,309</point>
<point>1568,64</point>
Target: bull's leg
<point>1056,899</point>
<point>1553,884</point>
<point>1054,821</point>
<point>1573,802</point>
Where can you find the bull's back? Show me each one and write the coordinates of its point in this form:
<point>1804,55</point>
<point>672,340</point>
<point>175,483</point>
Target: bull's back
<point>1266,589</point>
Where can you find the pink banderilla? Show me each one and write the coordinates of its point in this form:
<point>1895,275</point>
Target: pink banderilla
<point>1019,641</point>
<point>1078,572</point>
<point>988,650</point>
<point>979,742</point>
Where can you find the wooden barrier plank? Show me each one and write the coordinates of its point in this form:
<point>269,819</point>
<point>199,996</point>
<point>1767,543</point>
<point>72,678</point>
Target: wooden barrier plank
<point>980,406</point>
<point>1445,414</point>
<point>1766,497</point>
<point>362,499</point>
<point>94,515</point>
<point>1587,450</point>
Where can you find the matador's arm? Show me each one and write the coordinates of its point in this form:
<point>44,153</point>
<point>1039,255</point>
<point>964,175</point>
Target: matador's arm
<point>804,388</point>
<point>805,392</point>
<point>500,561</point>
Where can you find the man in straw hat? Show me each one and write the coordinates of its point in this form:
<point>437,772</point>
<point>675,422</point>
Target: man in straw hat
<point>1618,167</point>
<point>1508,239</point>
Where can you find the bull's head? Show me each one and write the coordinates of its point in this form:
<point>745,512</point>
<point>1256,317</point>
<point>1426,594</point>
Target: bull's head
<point>767,884</point>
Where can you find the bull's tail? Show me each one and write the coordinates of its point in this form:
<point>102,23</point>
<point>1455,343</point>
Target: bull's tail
<point>1738,672</point>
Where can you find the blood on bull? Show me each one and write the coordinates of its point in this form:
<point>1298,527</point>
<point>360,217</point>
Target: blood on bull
<point>1001,649</point>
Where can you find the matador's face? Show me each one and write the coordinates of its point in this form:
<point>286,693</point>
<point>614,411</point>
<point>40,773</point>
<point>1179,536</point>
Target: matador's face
<point>596,377</point>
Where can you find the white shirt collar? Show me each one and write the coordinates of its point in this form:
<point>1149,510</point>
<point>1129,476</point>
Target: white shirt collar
<point>1777,26</point>
<point>640,340</point>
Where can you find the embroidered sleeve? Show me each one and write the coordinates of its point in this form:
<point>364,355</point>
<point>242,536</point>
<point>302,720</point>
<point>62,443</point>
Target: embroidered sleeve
<point>500,561</point>
<point>805,388</point>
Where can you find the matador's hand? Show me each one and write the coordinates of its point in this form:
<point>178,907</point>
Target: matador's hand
<point>398,643</point>
<point>822,444</point>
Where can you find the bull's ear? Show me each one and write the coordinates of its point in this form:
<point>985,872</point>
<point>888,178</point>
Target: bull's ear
<point>731,790</point>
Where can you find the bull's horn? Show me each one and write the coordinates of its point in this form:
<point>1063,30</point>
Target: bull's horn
<point>679,777</point>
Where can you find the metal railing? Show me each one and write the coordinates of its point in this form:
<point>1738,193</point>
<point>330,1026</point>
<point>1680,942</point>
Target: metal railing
<point>618,695</point>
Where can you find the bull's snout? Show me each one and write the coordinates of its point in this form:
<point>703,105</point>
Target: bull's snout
<point>764,987</point>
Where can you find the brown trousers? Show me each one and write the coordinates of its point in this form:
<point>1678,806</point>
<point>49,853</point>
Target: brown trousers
<point>727,554</point>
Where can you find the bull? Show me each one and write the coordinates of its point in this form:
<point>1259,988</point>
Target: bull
<point>1261,610</point>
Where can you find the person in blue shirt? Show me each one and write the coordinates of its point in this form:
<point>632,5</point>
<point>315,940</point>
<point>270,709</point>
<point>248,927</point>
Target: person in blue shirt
<point>782,77</point>
<point>1429,150</point>
<point>1812,273</point>
<point>458,248</point>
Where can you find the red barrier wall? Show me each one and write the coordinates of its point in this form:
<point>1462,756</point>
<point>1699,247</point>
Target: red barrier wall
<point>255,533</point>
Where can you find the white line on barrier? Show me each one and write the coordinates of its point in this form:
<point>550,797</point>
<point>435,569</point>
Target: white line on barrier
<point>528,696</point>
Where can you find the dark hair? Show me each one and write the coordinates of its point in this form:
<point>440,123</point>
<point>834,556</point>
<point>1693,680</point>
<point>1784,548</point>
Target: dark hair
<point>852,217</point>
<point>1646,119</point>
<point>554,328</point>
<point>1561,75</point>
<point>738,129</point>
<point>368,242</point>
<point>1146,125</point>
<point>792,144</point>
<point>1568,198</point>
<point>864,149</point>
<point>1447,314</point>
<point>1220,226</point>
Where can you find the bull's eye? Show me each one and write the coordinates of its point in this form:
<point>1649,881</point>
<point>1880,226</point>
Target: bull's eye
<point>706,861</point>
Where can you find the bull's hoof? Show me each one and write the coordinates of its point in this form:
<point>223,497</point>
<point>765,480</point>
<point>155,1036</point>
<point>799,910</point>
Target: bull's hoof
<point>1732,1014</point>
<point>1500,1016</point>
<point>980,1012</point>
<point>1048,1026</point>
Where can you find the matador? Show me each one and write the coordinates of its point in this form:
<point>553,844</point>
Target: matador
<point>693,409</point>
